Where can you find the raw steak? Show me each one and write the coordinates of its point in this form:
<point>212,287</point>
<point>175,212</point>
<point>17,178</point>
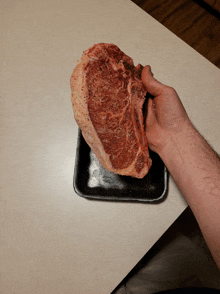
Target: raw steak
<point>107,99</point>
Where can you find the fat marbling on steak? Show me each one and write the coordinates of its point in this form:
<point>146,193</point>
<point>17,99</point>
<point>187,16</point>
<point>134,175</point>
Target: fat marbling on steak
<point>107,98</point>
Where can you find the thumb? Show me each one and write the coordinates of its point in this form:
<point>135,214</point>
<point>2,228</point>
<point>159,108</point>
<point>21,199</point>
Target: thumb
<point>151,116</point>
<point>153,86</point>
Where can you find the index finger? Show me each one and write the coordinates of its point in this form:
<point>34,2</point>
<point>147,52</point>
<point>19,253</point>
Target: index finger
<point>153,86</point>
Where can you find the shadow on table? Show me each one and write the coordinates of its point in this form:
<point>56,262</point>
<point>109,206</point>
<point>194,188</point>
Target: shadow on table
<point>180,259</point>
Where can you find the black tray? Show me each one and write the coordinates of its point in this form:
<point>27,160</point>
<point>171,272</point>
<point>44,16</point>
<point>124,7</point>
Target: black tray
<point>92,181</point>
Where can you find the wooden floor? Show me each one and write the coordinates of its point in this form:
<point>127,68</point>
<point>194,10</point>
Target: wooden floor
<point>193,21</point>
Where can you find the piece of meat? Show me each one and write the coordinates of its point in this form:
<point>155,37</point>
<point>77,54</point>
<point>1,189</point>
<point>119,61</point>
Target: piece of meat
<point>107,98</point>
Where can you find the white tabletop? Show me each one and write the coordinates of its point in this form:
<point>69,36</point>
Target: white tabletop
<point>54,241</point>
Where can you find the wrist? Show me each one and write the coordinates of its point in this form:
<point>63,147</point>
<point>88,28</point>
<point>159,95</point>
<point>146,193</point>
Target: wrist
<point>177,141</point>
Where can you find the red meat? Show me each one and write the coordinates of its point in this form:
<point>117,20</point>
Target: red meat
<point>107,98</point>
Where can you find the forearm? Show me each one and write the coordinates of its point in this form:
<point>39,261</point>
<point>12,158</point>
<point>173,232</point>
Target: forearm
<point>195,168</point>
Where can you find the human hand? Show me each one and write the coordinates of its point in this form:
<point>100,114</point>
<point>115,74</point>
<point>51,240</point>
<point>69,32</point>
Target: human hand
<point>166,115</point>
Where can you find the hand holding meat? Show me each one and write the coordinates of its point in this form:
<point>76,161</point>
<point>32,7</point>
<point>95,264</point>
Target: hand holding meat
<point>166,115</point>
<point>192,163</point>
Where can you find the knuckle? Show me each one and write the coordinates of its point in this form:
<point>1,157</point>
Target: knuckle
<point>169,90</point>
